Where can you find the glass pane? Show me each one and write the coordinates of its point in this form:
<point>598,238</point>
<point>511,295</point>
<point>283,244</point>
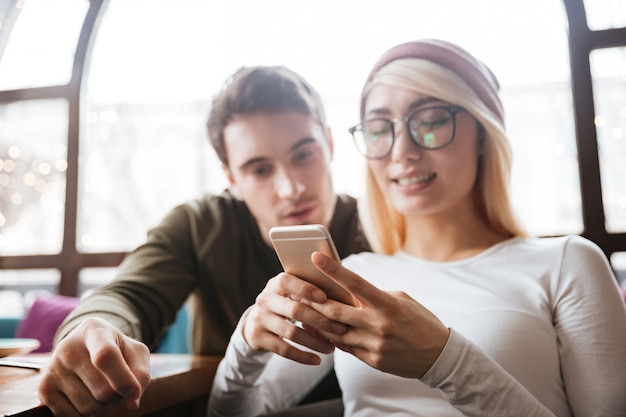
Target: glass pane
<point>44,35</point>
<point>91,278</point>
<point>33,162</point>
<point>144,148</point>
<point>605,14</point>
<point>545,179</point>
<point>137,162</point>
<point>618,262</point>
<point>608,70</point>
<point>18,288</point>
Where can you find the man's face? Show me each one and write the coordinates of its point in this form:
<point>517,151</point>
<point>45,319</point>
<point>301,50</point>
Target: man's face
<point>279,164</point>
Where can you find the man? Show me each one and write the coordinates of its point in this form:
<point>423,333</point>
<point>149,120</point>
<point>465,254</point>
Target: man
<point>267,126</point>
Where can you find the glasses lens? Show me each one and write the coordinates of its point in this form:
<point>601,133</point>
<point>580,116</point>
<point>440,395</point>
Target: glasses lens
<point>432,128</point>
<point>374,138</point>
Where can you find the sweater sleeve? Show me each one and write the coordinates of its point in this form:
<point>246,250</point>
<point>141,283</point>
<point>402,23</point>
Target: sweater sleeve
<point>476,385</point>
<point>152,283</point>
<point>251,383</point>
<point>590,321</point>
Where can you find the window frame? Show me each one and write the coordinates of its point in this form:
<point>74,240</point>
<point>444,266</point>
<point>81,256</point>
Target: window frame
<point>582,41</point>
<point>70,261</point>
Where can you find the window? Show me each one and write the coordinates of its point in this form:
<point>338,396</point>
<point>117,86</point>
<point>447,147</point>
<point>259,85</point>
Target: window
<point>146,113</point>
<point>605,14</point>
<point>32,38</point>
<point>32,175</point>
<point>599,119</point>
<point>97,148</point>
<point>608,72</point>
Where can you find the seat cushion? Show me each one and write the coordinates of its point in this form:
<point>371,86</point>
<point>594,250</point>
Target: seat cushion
<point>44,318</point>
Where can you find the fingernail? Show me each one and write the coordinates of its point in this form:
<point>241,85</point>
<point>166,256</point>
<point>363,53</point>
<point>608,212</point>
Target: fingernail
<point>323,261</point>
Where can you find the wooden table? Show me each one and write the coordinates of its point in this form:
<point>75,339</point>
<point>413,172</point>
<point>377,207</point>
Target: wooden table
<point>180,385</point>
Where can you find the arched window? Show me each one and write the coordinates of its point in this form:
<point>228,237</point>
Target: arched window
<point>103,106</point>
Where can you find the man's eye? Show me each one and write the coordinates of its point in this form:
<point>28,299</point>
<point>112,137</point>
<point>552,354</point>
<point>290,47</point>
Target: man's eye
<point>302,156</point>
<point>261,170</point>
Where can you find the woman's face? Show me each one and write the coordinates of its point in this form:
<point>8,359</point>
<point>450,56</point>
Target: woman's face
<point>420,182</point>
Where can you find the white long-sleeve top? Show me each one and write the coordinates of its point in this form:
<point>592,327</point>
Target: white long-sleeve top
<point>538,328</point>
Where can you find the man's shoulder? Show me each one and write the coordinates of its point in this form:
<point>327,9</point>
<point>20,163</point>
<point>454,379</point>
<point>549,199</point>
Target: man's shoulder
<point>224,203</point>
<point>208,214</point>
<point>346,199</point>
<point>346,227</point>
<point>346,204</point>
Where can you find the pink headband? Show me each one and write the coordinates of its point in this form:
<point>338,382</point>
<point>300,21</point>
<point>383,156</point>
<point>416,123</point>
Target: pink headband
<point>475,73</point>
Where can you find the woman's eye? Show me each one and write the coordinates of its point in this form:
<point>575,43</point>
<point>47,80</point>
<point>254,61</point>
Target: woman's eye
<point>430,120</point>
<point>437,122</point>
<point>373,134</point>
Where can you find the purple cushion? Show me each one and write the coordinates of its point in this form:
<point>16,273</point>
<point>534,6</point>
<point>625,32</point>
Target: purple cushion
<point>44,318</point>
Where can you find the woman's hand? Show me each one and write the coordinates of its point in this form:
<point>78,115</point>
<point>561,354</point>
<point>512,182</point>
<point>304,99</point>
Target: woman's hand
<point>389,331</point>
<point>270,322</point>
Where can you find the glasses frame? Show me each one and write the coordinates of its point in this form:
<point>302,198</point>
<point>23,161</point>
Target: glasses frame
<point>453,110</point>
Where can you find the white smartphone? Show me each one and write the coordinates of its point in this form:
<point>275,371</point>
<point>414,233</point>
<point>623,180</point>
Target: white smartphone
<point>294,246</point>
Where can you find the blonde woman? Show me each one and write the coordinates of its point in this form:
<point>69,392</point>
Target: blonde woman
<point>459,311</point>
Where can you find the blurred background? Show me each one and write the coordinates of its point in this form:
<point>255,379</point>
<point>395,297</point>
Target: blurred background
<point>103,107</point>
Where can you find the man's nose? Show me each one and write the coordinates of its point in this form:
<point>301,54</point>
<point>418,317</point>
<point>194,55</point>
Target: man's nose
<point>288,185</point>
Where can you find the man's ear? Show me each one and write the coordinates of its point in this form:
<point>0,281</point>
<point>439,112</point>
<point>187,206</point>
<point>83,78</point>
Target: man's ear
<point>231,180</point>
<point>329,138</point>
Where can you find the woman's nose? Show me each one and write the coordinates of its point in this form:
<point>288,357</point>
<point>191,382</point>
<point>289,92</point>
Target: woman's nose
<point>403,145</point>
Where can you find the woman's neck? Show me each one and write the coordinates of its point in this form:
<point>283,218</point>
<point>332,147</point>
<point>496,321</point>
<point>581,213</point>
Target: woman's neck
<point>449,239</point>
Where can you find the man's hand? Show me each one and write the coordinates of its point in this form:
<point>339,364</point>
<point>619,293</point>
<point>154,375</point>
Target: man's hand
<point>93,366</point>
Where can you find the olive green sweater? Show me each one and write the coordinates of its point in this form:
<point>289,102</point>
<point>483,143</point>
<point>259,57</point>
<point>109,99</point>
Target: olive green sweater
<point>210,252</point>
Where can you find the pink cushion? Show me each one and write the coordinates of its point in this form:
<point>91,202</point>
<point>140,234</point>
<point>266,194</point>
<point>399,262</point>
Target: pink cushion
<point>44,318</point>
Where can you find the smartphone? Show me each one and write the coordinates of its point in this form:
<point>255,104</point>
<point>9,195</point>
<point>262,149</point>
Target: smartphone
<point>294,246</point>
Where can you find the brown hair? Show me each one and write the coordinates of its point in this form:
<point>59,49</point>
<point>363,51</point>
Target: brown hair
<point>260,89</point>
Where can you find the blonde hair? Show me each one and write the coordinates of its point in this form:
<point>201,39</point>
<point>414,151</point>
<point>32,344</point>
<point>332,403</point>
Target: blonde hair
<point>383,224</point>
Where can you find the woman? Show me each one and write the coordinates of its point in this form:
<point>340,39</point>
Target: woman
<point>460,312</point>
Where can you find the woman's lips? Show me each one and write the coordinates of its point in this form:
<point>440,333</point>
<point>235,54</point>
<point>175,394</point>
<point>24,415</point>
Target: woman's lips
<point>415,179</point>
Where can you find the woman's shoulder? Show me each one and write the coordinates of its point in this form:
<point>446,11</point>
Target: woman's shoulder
<point>567,254</point>
<point>564,244</point>
<point>534,250</point>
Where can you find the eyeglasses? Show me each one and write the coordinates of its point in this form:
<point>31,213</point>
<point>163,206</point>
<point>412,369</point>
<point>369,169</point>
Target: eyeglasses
<point>430,128</point>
